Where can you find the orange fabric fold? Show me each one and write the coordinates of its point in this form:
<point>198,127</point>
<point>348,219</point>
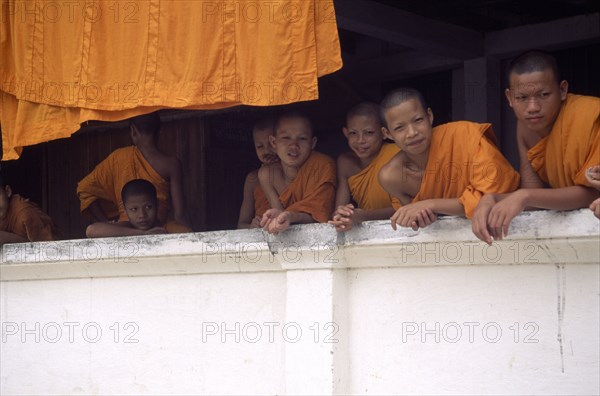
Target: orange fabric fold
<point>106,181</point>
<point>561,158</point>
<point>261,203</point>
<point>118,59</point>
<point>313,189</point>
<point>26,219</point>
<point>364,186</point>
<point>464,163</point>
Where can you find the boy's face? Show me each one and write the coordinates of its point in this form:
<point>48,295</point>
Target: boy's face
<point>364,136</point>
<point>141,211</point>
<point>5,194</point>
<point>293,141</point>
<point>263,148</point>
<point>536,99</point>
<point>409,125</point>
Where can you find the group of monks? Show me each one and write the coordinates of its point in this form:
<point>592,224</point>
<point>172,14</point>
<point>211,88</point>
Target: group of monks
<point>452,169</point>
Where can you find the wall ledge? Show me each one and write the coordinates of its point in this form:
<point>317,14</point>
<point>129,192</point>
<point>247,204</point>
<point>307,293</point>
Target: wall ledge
<point>537,237</point>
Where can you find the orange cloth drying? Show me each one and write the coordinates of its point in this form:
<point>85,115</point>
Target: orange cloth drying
<point>64,63</point>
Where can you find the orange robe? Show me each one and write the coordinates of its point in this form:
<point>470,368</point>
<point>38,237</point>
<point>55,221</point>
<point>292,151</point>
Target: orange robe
<point>261,203</point>
<point>313,189</point>
<point>106,181</point>
<point>561,158</point>
<point>26,219</point>
<point>228,53</point>
<point>364,186</point>
<point>464,163</point>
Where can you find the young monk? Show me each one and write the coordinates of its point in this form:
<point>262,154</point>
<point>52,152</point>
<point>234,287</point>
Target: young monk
<point>593,177</point>
<point>99,192</point>
<point>358,170</point>
<point>441,170</point>
<point>22,220</point>
<point>301,187</point>
<point>255,203</point>
<point>558,139</point>
<point>141,206</point>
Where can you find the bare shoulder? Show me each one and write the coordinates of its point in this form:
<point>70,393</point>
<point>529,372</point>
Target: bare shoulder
<point>270,170</point>
<point>252,178</point>
<point>347,164</point>
<point>396,163</point>
<point>392,170</point>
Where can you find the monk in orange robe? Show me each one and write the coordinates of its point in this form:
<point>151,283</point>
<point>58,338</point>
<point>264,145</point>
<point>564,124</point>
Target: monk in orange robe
<point>255,203</point>
<point>100,191</point>
<point>358,170</point>
<point>558,135</point>
<point>441,170</point>
<point>301,187</point>
<point>141,206</point>
<point>22,220</point>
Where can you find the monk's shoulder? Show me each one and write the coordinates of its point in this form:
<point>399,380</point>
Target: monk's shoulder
<point>395,164</point>
<point>583,107</point>
<point>348,164</point>
<point>23,208</point>
<point>320,160</point>
<point>121,152</point>
<point>252,178</point>
<point>462,134</point>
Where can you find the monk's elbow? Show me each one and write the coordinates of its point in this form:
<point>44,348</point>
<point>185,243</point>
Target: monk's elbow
<point>90,231</point>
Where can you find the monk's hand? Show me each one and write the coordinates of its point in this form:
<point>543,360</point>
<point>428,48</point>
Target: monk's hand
<point>413,215</point>
<point>268,217</point>
<point>503,212</point>
<point>479,222</point>
<point>592,175</point>
<point>595,207</point>
<point>156,230</point>
<point>270,159</point>
<point>343,217</point>
<point>255,223</point>
<point>424,218</point>
<point>281,223</point>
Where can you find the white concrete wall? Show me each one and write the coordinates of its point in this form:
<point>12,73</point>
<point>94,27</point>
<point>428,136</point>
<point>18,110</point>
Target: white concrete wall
<point>372,311</point>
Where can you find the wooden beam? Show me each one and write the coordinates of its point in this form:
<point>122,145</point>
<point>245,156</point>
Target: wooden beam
<point>548,35</point>
<point>410,30</point>
<point>408,63</point>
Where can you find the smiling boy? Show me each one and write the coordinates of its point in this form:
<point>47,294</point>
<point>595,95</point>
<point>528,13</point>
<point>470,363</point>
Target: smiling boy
<point>358,170</point>
<point>558,136</point>
<point>301,187</point>
<point>441,170</point>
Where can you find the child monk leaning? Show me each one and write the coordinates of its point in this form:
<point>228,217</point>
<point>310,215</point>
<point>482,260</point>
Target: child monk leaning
<point>358,170</point>
<point>301,187</point>
<point>441,170</point>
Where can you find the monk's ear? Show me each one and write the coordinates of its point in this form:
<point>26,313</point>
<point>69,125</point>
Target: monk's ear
<point>386,133</point>
<point>345,130</point>
<point>508,96</point>
<point>314,142</point>
<point>272,140</point>
<point>8,191</point>
<point>430,115</point>
<point>564,89</point>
